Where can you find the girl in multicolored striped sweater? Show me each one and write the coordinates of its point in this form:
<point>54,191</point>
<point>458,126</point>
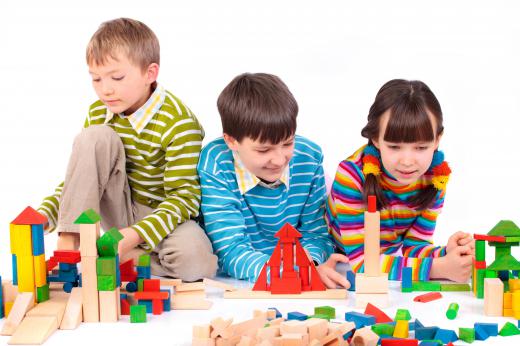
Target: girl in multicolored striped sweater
<point>403,168</point>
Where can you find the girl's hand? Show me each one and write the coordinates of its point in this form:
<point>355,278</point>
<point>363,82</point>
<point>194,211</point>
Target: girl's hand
<point>330,277</point>
<point>461,239</point>
<point>457,265</point>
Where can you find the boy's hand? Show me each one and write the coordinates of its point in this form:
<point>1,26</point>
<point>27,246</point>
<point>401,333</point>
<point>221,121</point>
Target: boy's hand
<point>330,277</point>
<point>461,239</point>
<point>130,240</point>
<point>457,265</point>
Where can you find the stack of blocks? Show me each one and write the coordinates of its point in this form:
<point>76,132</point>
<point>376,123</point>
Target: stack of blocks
<point>151,296</point>
<point>108,276</point>
<point>372,285</point>
<point>28,254</point>
<point>68,269</point>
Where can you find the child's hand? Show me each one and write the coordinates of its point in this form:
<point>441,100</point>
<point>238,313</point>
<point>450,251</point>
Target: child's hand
<point>461,239</point>
<point>330,277</point>
<point>457,265</point>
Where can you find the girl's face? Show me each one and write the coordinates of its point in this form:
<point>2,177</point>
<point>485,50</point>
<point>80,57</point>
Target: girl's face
<point>406,162</point>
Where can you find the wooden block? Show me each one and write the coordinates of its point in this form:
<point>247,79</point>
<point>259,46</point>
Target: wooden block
<point>201,331</point>
<point>493,297</point>
<point>515,300</point>
<point>88,235</point>
<point>7,308</point>
<point>73,315</point>
<point>514,285</point>
<point>89,290</point>
<point>508,300</point>
<point>171,282</point>
<point>54,308</point>
<point>40,270</point>
<point>10,291</point>
<point>294,339</point>
<point>249,294</point>
<point>218,284</point>
<point>201,294</point>
<point>317,328</point>
<point>34,330</point>
<point>372,249</point>
<point>191,286</point>
<point>221,327</point>
<point>293,327</point>
<point>246,341</point>
<point>378,299</point>
<point>249,327</point>
<point>108,301</point>
<point>365,336</point>
<point>24,301</point>
<point>162,295</point>
<point>268,333</point>
<point>118,303</point>
<point>371,284</point>
<point>401,329</point>
<point>190,303</point>
<point>25,266</point>
<point>23,238</point>
<point>203,342</point>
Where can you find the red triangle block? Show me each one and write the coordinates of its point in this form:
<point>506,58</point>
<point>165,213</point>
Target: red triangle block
<point>261,282</point>
<point>29,217</point>
<point>287,233</point>
<point>380,316</point>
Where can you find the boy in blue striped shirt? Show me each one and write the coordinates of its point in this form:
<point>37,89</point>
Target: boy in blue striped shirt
<point>259,176</point>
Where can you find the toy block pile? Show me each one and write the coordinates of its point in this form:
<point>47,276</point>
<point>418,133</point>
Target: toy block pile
<point>28,254</point>
<point>371,286</point>
<point>190,296</point>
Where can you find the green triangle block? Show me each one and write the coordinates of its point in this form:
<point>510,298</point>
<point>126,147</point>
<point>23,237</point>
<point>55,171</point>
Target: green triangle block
<point>467,335</point>
<point>114,232</point>
<point>106,245</point>
<point>505,228</point>
<point>509,329</point>
<point>504,262</point>
<point>402,314</point>
<point>88,217</point>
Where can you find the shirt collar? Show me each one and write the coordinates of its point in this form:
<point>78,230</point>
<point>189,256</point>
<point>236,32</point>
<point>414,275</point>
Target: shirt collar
<point>247,180</point>
<point>141,117</point>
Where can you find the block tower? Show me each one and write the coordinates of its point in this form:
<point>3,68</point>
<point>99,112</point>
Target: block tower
<point>28,254</point>
<point>372,285</point>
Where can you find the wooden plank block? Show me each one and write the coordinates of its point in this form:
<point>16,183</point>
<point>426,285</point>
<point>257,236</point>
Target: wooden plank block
<point>54,307</point>
<point>190,286</point>
<point>24,301</point>
<point>493,297</point>
<point>249,294</point>
<point>73,311</point>
<point>108,306</point>
<point>218,284</point>
<point>34,330</point>
<point>88,235</point>
<point>372,245</point>
<point>89,289</point>
<point>171,282</point>
<point>190,303</point>
<point>371,284</point>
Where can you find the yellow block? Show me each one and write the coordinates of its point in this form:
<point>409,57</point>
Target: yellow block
<point>40,270</point>
<point>25,267</point>
<point>516,314</point>
<point>508,312</point>
<point>7,308</point>
<point>508,300</point>
<point>12,237</point>
<point>23,239</point>
<point>514,285</point>
<point>401,329</point>
<point>515,300</point>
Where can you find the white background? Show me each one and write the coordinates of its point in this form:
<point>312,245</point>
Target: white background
<point>333,55</point>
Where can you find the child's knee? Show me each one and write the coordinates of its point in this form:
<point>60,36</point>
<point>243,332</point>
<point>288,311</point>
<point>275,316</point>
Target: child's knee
<point>95,134</point>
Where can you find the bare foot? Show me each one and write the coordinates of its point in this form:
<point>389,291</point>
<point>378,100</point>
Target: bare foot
<point>68,241</point>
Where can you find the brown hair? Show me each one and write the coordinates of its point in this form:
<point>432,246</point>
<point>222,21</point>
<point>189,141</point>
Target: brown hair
<point>125,35</point>
<point>258,106</point>
<point>409,103</point>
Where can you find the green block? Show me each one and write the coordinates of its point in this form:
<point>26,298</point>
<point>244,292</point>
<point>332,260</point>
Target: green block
<point>137,314</point>
<point>42,293</point>
<point>430,286</point>
<point>467,335</point>
<point>481,273</point>
<point>323,317</point>
<point>88,217</point>
<point>140,285</point>
<point>452,311</point>
<point>505,228</point>
<point>491,274</point>
<point>107,245</point>
<point>114,232</point>
<point>325,310</point>
<point>106,282</point>
<point>512,239</point>
<point>455,287</point>
<point>106,266</point>
<point>383,329</point>
<point>480,250</point>
<point>144,261</point>
<point>509,329</point>
<point>406,289</point>
<point>402,314</point>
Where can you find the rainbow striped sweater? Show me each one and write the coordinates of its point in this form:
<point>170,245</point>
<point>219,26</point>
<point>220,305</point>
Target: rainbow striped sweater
<point>406,234</point>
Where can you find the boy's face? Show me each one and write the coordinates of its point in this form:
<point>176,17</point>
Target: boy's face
<point>265,160</point>
<point>122,85</point>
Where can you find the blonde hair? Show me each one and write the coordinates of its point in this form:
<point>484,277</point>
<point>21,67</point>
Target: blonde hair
<point>126,36</point>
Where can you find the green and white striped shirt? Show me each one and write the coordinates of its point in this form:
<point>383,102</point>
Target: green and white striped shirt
<point>162,142</point>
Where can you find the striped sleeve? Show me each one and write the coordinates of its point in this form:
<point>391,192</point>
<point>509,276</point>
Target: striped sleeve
<point>181,182</point>
<point>345,216</point>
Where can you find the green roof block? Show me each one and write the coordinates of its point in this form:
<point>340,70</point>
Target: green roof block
<point>402,314</point>
<point>509,329</point>
<point>504,262</point>
<point>505,228</point>
<point>88,217</point>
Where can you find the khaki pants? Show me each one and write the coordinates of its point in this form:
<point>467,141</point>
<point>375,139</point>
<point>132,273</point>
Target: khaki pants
<point>96,178</point>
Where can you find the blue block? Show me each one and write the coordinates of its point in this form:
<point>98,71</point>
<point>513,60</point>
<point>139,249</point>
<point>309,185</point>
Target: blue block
<point>15,270</point>
<point>80,280</point>
<point>406,277</point>
<point>70,276</point>
<point>167,303</point>
<point>295,315</point>
<point>411,325</point>
<point>123,296</point>
<point>148,304</point>
<point>425,333</point>
<point>351,277</point>
<point>1,300</point>
<point>38,245</point>
<point>446,335</point>
<point>53,278</point>
<point>144,272</point>
<point>418,324</point>
<point>430,343</point>
<point>118,272</point>
<point>503,275</point>
<point>514,273</point>
<point>278,313</point>
<point>67,267</point>
<point>491,329</point>
<point>480,333</point>
<point>349,334</point>
<point>359,319</point>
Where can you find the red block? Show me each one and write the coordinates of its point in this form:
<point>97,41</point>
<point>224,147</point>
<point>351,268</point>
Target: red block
<point>495,238</point>
<point>128,273</point>
<point>151,295</point>
<point>157,307</point>
<point>51,264</point>
<point>428,297</point>
<point>67,256</point>
<point>479,264</point>
<point>380,316</point>
<point>399,342</point>
<point>151,285</point>
<point>125,307</point>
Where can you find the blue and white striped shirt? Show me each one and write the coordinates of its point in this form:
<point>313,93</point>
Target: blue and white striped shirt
<point>241,227</point>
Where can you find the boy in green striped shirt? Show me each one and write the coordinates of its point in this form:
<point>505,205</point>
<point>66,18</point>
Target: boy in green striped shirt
<point>135,161</point>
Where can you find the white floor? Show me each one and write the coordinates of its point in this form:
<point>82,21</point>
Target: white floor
<point>174,328</point>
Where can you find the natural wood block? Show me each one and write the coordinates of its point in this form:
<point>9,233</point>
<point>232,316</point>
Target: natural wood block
<point>317,328</point>
<point>203,342</point>
<point>34,330</point>
<point>190,286</point>
<point>268,333</point>
<point>371,284</point>
<point>190,303</point>
<point>88,235</point>
<point>218,284</point>
<point>493,297</point>
<point>372,249</point>
<point>24,301</point>
<point>201,331</point>
<point>54,307</point>
<point>293,327</point>
<point>365,336</point>
<point>171,282</point>
<point>108,301</point>
<point>89,290</point>
<point>73,315</point>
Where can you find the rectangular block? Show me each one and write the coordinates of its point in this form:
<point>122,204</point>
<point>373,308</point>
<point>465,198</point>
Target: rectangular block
<point>514,285</point>
<point>89,233</point>
<point>106,266</point>
<point>371,284</point>
<point>152,285</point>
<point>34,330</point>
<point>38,244</point>
<point>23,240</point>
<point>508,300</point>
<point>144,261</point>
<point>42,293</point>
<point>372,245</point>
<point>480,250</point>
<point>25,266</point>
<point>40,270</point>
<point>12,238</point>
<point>89,289</point>
<point>106,282</point>
<point>406,278</point>
<point>14,263</point>
<point>422,286</point>
<point>493,297</point>
<point>108,301</point>
<point>54,308</point>
<point>137,314</point>
<point>73,315</point>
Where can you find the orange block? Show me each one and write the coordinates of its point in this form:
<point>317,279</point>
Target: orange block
<point>40,270</point>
